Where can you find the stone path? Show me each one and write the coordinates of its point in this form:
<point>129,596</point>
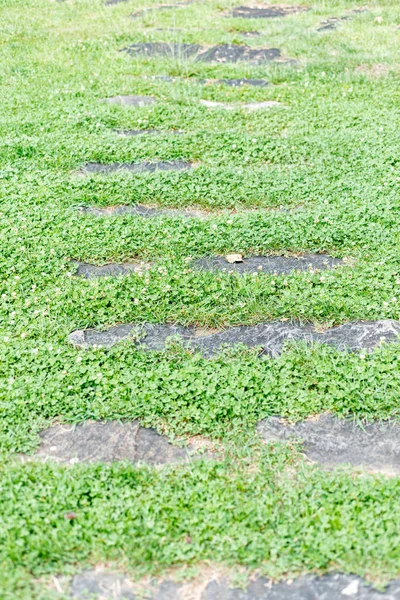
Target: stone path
<point>271,337</point>
<point>225,53</point>
<point>331,441</point>
<point>98,441</point>
<point>104,585</point>
<point>270,264</point>
<point>140,167</point>
<point>142,211</point>
<point>89,271</point>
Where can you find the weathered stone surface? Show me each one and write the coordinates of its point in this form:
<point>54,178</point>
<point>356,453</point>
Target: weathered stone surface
<point>107,441</point>
<point>151,49</point>
<point>89,271</point>
<point>226,53</point>
<point>252,106</point>
<point>223,53</point>
<point>332,441</point>
<point>242,82</point>
<point>99,584</point>
<point>131,100</point>
<point>271,264</point>
<point>266,12</point>
<point>271,337</point>
<point>141,167</point>
<point>134,132</point>
<point>141,211</point>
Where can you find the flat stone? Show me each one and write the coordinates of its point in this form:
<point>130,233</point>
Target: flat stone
<point>266,12</point>
<point>227,53</point>
<point>270,337</point>
<point>140,211</point>
<point>174,50</point>
<point>271,264</point>
<point>107,441</point>
<point>141,167</point>
<point>89,271</point>
<point>332,441</point>
<point>134,132</point>
<point>131,100</point>
<point>242,82</point>
<point>99,584</point>
<point>252,106</point>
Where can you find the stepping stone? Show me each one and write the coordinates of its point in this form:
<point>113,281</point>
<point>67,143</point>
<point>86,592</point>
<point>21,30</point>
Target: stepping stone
<point>141,211</point>
<point>270,264</point>
<point>99,584</point>
<point>271,337</point>
<point>332,441</point>
<point>250,106</point>
<point>142,167</point>
<point>89,271</point>
<point>333,22</point>
<point>266,12</point>
<point>174,50</point>
<point>241,82</point>
<point>131,100</point>
<point>227,53</point>
<point>107,441</point>
<point>135,132</point>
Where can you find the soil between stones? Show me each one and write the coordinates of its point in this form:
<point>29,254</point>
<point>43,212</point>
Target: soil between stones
<point>141,167</point>
<point>271,337</point>
<point>270,264</point>
<point>332,441</point>
<point>100,584</point>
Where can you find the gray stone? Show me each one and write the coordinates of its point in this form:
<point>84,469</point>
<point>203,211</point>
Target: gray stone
<point>270,337</point>
<point>141,167</point>
<point>174,50</point>
<point>104,585</point>
<point>242,82</point>
<point>141,211</point>
<point>227,53</point>
<point>89,271</point>
<point>107,441</point>
<point>131,100</point>
<point>270,264</point>
<point>266,12</point>
<point>332,441</point>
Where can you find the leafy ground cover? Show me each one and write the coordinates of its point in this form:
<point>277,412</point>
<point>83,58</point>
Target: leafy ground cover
<point>329,151</point>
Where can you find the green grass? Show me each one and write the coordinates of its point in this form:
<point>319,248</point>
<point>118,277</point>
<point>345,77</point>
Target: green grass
<point>331,150</point>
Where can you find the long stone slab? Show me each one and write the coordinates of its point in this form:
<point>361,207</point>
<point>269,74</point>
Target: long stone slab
<point>271,337</point>
<point>140,167</point>
<point>99,584</point>
<point>222,53</point>
<point>270,264</point>
<point>89,271</point>
<point>141,211</point>
<point>332,441</point>
<point>108,441</point>
<point>266,12</point>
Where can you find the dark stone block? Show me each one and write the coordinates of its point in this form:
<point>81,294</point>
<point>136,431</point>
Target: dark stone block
<point>266,12</point>
<point>131,100</point>
<point>271,336</point>
<point>270,264</point>
<point>107,441</point>
<point>141,211</point>
<point>89,271</point>
<point>174,50</point>
<point>227,53</point>
<point>241,82</point>
<point>332,441</point>
<point>142,167</point>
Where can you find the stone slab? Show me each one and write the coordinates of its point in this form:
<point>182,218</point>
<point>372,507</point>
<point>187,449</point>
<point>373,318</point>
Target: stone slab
<point>332,441</point>
<point>141,211</point>
<point>333,22</point>
<point>131,100</point>
<point>107,441</point>
<point>242,82</point>
<point>223,53</point>
<point>270,264</point>
<point>266,12</point>
<point>140,167</point>
<point>99,584</point>
<point>251,106</point>
<point>270,337</point>
<point>89,271</point>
